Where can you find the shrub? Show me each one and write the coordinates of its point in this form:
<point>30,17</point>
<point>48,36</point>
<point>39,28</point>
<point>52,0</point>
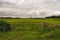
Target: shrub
<point>4,26</point>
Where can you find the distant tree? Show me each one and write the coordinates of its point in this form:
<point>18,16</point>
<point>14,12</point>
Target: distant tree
<point>4,26</point>
<point>53,17</point>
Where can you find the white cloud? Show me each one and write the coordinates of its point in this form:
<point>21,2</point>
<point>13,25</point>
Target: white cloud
<point>33,7</point>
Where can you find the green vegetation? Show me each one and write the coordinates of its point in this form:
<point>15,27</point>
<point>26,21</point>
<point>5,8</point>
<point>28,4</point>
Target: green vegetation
<point>4,26</point>
<point>30,29</point>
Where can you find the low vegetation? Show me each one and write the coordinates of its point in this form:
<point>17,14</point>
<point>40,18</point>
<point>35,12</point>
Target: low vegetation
<point>30,29</point>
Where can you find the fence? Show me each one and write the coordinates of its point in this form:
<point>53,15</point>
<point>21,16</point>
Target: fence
<point>34,26</point>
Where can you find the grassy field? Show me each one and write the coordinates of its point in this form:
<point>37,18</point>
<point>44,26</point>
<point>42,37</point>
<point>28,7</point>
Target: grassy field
<point>32,29</point>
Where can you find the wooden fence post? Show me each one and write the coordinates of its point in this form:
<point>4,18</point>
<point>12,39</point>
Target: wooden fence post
<point>43,24</point>
<point>23,26</point>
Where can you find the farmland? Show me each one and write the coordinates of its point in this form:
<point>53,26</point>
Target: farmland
<point>32,29</point>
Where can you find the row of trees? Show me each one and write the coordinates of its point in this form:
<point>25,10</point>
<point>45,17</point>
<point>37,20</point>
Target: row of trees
<point>9,17</point>
<point>53,17</point>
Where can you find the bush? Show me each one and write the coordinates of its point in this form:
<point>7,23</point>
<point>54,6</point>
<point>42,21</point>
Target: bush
<point>4,26</point>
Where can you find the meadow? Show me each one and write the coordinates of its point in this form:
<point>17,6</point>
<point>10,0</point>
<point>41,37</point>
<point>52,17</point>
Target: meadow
<point>32,29</point>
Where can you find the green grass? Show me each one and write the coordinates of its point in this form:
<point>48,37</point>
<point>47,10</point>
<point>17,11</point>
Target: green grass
<point>31,29</point>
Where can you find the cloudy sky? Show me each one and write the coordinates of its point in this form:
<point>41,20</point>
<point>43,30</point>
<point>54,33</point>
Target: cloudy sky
<point>29,8</point>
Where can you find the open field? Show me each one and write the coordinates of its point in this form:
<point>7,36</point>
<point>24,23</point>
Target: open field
<point>32,29</point>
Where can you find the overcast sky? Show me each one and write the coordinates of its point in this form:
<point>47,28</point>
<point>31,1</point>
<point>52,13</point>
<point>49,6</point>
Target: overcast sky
<point>38,8</point>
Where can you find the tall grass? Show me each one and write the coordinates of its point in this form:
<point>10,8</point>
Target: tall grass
<point>32,29</point>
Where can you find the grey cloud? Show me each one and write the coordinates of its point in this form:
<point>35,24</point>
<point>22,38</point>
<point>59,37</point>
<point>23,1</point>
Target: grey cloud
<point>31,8</point>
